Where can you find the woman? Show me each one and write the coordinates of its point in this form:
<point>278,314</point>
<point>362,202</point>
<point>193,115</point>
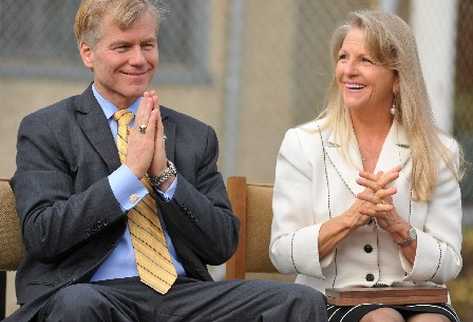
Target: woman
<point>368,194</point>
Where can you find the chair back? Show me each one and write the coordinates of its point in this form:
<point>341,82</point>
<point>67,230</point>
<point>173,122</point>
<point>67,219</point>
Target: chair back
<point>252,203</point>
<point>11,243</point>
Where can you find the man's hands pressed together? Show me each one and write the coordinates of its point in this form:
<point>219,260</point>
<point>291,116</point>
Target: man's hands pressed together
<point>146,141</point>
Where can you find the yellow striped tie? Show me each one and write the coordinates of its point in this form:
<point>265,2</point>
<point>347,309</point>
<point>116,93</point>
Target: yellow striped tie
<point>153,260</point>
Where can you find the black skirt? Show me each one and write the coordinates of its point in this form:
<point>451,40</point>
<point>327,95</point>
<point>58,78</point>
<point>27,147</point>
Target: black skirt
<point>355,313</point>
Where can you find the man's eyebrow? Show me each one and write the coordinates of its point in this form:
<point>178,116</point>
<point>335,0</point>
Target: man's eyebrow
<point>126,42</point>
<point>150,39</point>
<point>119,42</point>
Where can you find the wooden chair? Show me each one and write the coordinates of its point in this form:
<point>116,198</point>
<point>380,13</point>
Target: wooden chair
<point>11,244</point>
<point>252,203</point>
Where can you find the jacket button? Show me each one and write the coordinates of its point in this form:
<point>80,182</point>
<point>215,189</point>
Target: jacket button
<point>368,248</point>
<point>370,277</point>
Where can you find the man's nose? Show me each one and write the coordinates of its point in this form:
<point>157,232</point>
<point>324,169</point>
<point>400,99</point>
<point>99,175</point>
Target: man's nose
<point>137,56</point>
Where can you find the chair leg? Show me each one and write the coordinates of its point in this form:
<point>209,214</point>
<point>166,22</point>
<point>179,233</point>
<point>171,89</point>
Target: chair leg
<point>3,293</point>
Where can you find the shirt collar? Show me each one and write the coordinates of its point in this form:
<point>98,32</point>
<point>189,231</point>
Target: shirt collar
<point>109,108</point>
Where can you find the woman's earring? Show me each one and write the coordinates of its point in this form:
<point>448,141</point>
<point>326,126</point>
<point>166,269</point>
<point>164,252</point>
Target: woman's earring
<point>392,110</point>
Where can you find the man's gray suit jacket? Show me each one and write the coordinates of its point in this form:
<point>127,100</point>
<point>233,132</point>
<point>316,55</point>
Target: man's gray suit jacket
<point>70,218</point>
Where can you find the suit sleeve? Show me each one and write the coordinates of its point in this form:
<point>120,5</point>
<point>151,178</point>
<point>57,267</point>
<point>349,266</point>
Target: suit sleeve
<point>294,233</point>
<point>54,217</point>
<point>438,254</point>
<point>200,212</point>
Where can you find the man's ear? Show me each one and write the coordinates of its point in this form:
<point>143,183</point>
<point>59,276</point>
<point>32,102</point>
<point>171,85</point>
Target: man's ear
<point>87,55</point>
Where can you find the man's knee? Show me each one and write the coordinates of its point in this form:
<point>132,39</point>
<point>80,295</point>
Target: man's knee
<point>291,292</point>
<point>303,302</point>
<point>69,303</point>
<point>307,295</point>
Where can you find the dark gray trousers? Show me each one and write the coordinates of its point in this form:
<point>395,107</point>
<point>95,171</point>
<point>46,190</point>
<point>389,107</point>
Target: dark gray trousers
<point>189,300</point>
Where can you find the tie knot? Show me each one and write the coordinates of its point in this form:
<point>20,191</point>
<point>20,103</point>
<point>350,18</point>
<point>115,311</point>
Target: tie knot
<point>123,117</point>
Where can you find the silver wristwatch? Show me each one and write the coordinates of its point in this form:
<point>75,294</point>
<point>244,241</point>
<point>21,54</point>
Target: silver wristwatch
<point>411,236</point>
<point>167,173</point>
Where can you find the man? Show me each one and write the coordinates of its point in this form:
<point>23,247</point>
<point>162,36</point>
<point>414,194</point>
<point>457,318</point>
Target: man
<point>121,212</point>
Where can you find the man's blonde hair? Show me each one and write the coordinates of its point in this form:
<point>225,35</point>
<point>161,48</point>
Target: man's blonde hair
<point>392,44</point>
<point>87,26</point>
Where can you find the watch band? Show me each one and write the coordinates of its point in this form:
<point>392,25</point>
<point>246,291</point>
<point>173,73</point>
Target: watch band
<point>411,236</point>
<point>167,173</point>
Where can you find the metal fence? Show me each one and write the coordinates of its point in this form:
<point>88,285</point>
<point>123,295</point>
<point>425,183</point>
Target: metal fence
<point>37,41</point>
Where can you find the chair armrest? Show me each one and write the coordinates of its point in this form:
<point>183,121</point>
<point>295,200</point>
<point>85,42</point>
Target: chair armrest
<point>11,243</point>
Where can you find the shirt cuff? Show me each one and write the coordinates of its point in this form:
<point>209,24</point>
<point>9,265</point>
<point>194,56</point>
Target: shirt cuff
<point>126,187</point>
<point>169,194</point>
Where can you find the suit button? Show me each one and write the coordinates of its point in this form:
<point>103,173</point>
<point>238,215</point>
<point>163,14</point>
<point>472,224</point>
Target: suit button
<point>370,277</point>
<point>368,248</point>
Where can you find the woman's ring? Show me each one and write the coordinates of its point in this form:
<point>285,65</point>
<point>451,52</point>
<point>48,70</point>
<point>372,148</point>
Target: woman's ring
<point>142,128</point>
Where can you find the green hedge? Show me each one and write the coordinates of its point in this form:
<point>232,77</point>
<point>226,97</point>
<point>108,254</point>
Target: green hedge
<point>461,289</point>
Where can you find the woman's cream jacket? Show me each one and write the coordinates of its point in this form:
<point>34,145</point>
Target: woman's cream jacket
<point>309,182</point>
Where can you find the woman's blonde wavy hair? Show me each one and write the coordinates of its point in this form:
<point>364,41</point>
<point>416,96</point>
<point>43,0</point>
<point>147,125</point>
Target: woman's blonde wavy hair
<point>391,43</point>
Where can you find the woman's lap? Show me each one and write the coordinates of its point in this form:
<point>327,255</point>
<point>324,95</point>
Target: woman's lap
<point>355,313</point>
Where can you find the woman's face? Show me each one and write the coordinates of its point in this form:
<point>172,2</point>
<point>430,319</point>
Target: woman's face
<point>363,84</point>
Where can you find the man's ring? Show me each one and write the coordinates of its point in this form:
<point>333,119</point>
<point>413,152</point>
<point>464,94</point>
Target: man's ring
<point>165,138</point>
<point>142,128</point>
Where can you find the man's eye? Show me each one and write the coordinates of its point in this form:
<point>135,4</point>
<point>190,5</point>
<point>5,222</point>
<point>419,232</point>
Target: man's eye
<point>148,46</point>
<point>121,48</point>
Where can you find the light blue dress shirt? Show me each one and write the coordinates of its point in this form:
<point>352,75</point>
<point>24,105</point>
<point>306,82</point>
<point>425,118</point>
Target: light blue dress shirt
<point>128,190</point>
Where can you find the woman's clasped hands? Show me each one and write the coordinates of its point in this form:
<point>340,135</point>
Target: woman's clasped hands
<point>376,200</point>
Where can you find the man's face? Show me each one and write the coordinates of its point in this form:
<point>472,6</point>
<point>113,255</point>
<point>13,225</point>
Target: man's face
<point>123,61</point>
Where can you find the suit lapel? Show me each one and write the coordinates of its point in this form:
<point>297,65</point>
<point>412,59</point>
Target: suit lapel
<point>95,127</point>
<point>170,132</point>
<point>347,171</point>
<point>395,149</point>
